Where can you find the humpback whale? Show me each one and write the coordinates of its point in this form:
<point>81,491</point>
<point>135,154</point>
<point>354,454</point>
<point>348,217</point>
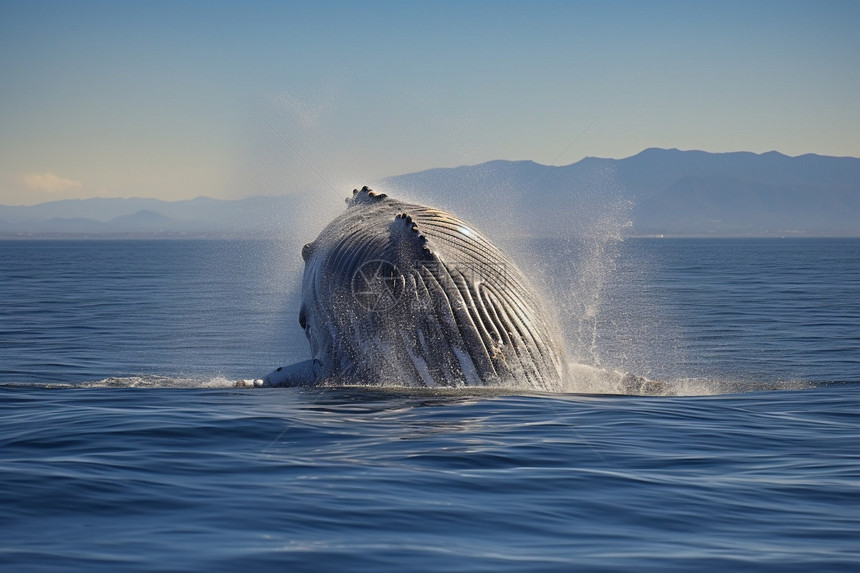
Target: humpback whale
<point>402,294</point>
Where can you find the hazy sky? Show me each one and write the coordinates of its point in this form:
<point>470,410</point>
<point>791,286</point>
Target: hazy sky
<point>227,99</point>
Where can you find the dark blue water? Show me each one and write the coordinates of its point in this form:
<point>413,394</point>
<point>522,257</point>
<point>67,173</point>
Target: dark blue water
<point>122,446</point>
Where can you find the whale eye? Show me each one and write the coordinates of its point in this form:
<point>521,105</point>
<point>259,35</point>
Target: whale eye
<point>303,318</point>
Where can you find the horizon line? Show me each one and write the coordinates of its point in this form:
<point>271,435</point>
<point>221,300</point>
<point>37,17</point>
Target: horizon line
<point>430,169</point>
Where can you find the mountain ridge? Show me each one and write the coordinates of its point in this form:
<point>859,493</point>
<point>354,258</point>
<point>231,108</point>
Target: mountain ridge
<point>655,192</point>
<point>668,192</point>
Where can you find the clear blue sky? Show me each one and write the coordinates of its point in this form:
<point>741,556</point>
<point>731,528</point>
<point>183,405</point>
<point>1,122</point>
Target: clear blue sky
<point>227,99</point>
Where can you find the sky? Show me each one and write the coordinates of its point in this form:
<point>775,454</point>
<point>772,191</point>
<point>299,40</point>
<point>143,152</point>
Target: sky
<point>175,100</point>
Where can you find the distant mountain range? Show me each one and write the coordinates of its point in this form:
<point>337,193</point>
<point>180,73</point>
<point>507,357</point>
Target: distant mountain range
<point>657,192</point>
<point>660,192</point>
<point>260,216</point>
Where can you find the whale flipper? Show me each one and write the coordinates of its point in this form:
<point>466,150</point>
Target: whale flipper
<point>298,374</point>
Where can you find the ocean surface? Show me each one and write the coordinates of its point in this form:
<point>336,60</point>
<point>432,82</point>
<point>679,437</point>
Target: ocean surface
<point>125,447</point>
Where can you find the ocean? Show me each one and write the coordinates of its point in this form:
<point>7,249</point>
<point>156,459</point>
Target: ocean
<point>125,447</point>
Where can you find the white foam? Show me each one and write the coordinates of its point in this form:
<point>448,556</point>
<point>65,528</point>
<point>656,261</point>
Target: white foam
<point>585,379</point>
<point>152,381</point>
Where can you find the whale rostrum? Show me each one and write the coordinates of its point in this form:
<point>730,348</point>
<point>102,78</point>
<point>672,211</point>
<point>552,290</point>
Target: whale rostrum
<point>396,293</point>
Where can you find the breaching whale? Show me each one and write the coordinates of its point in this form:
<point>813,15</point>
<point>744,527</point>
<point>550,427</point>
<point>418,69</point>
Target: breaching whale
<point>396,293</point>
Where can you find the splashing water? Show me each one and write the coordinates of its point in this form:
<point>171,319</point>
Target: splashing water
<point>573,273</point>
